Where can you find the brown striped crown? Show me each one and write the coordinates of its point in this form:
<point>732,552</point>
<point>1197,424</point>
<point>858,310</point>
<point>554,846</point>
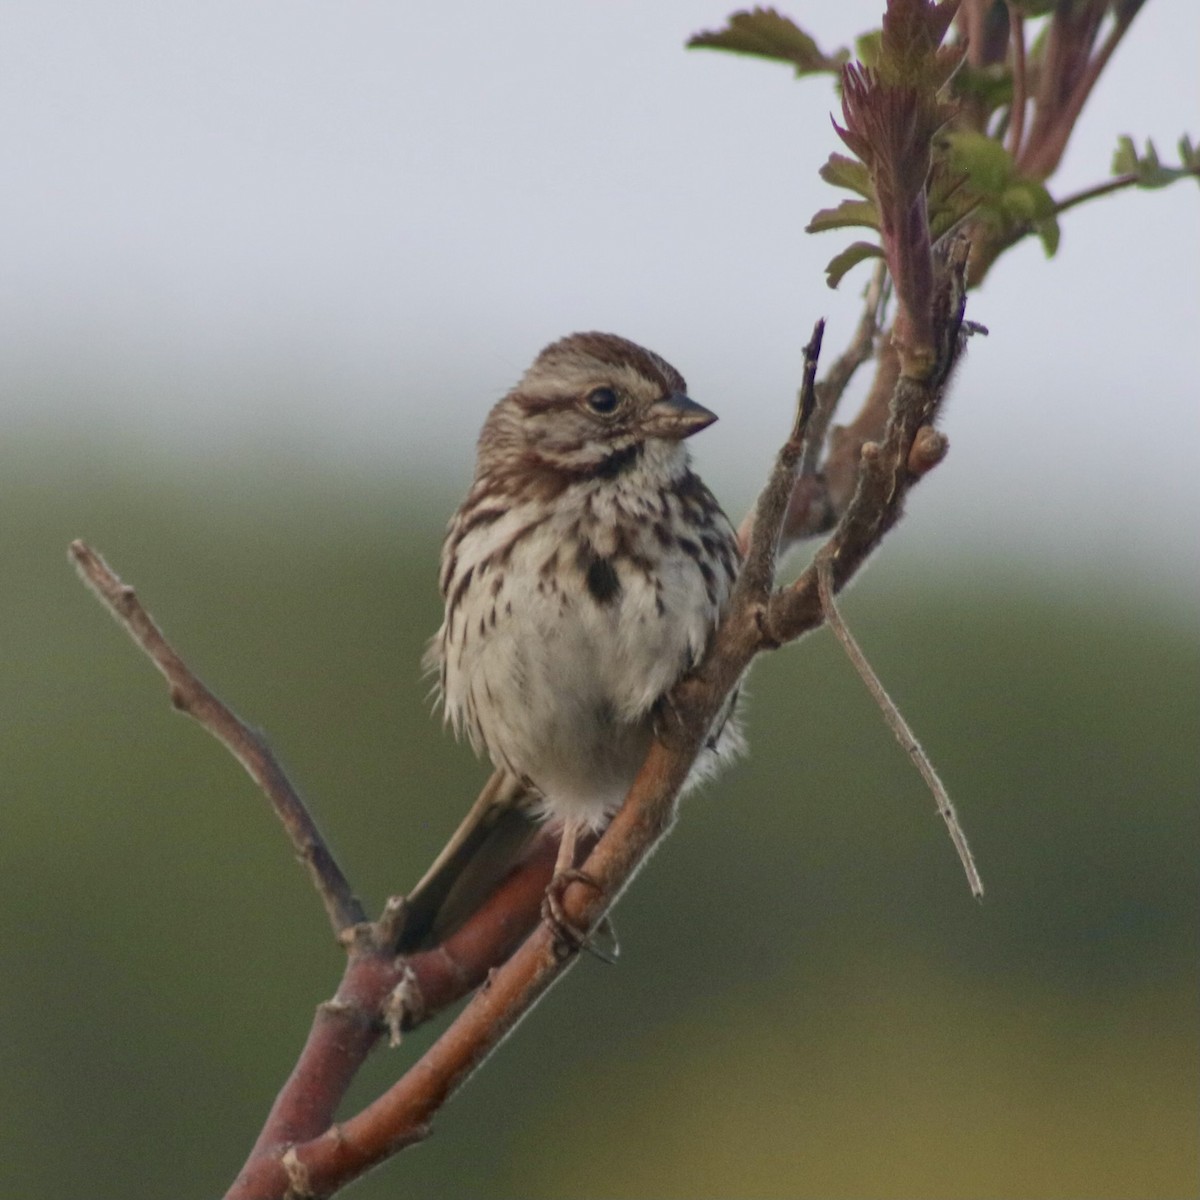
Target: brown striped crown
<point>587,407</point>
<point>592,352</point>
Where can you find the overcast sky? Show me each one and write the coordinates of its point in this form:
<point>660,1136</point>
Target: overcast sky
<point>346,228</point>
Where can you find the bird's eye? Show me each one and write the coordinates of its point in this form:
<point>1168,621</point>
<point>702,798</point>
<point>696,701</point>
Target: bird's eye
<point>603,400</point>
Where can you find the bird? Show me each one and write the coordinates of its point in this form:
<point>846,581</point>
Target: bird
<point>582,576</point>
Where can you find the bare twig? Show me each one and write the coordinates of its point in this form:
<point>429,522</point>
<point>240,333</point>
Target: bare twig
<point>1016,129</point>
<point>1068,74</point>
<point>377,991</point>
<point>1116,184</point>
<point>758,570</point>
<point>837,377</point>
<point>896,722</point>
<point>813,507</point>
<point>190,696</point>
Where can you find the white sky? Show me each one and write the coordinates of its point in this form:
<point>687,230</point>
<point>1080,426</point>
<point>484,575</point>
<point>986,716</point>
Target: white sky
<point>344,229</point>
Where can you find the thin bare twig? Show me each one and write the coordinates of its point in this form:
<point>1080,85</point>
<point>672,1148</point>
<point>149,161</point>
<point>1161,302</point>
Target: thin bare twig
<point>378,991</point>
<point>813,506</point>
<point>1016,129</point>
<point>1116,184</point>
<point>896,723</point>
<point>859,350</point>
<point>190,696</point>
<point>762,548</point>
<point>1069,72</point>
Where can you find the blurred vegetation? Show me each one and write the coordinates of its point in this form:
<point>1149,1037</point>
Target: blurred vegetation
<point>808,1004</point>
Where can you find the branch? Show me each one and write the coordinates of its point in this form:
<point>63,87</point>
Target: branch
<point>1016,130</point>
<point>1068,73</point>
<point>190,696</point>
<point>887,469</point>
<point>837,378</point>
<point>300,1151</point>
<point>378,991</point>
<point>896,722</point>
<point>403,1113</point>
<point>1117,184</point>
<point>758,569</point>
<point>814,504</point>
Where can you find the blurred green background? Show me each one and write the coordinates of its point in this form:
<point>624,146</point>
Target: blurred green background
<point>808,1003</point>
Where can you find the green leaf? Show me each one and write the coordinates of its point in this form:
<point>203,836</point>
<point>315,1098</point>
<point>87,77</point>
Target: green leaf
<point>848,173</point>
<point>1026,201</point>
<point>1147,169</point>
<point>868,47</point>
<point>1048,231</point>
<point>850,257</point>
<point>1125,157</point>
<point>988,167</point>
<point>848,213</point>
<point>992,85</point>
<point>764,33</point>
<point>1189,156</point>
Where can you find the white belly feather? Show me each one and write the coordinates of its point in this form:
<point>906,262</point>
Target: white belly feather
<point>556,679</point>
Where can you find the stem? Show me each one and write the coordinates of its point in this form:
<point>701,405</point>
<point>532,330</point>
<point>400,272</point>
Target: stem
<point>1100,189</point>
<point>1016,130</point>
<point>762,540</point>
<point>190,696</point>
<point>897,724</point>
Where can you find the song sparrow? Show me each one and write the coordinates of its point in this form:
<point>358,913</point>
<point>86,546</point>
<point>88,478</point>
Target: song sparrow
<point>582,577</point>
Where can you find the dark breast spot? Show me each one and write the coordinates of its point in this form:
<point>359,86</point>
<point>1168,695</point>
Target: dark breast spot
<point>601,579</point>
<point>599,574</point>
<point>618,462</point>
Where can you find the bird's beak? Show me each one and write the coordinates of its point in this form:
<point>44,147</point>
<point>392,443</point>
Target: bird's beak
<point>676,417</point>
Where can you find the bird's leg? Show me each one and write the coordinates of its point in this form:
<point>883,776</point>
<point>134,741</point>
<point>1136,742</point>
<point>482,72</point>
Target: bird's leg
<point>566,848</point>
<point>565,874</point>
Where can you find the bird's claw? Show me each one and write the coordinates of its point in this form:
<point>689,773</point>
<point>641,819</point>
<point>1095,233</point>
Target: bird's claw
<point>567,933</point>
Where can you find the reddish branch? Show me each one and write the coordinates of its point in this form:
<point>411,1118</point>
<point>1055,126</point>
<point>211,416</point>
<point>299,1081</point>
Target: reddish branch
<point>851,479</point>
<point>858,490</point>
<point>300,1151</point>
<point>1052,80</point>
<point>190,696</point>
<point>1069,71</point>
<point>758,619</point>
<point>1016,123</point>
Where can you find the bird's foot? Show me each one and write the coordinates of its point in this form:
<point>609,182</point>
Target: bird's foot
<point>569,936</point>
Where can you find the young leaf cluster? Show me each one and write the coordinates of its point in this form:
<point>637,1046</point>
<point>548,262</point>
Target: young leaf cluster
<point>1146,169</point>
<point>978,98</point>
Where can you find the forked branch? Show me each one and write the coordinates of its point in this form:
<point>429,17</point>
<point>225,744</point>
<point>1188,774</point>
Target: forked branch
<point>300,1148</point>
<point>190,696</point>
